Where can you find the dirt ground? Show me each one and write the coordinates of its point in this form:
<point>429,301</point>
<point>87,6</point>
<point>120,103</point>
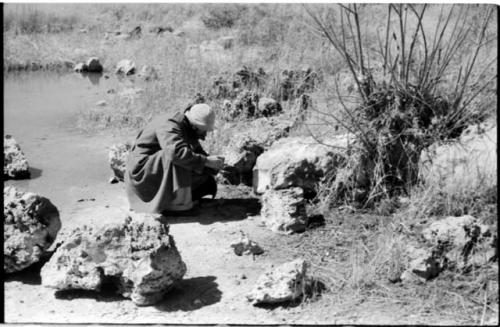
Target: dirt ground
<point>73,173</point>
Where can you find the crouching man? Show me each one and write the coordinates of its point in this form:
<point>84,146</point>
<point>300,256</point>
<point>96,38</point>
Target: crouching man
<point>167,169</point>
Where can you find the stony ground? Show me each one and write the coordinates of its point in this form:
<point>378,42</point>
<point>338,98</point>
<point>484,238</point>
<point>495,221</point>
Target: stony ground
<point>72,170</point>
<point>214,288</point>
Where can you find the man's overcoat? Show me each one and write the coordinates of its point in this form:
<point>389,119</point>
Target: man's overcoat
<point>161,162</point>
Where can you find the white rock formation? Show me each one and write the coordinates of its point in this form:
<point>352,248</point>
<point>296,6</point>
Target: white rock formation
<point>31,224</point>
<point>463,240</point>
<point>284,211</point>
<point>298,161</point>
<point>125,67</point>
<point>118,154</point>
<point>282,284</point>
<point>148,73</point>
<point>467,163</point>
<point>15,164</point>
<point>138,257</point>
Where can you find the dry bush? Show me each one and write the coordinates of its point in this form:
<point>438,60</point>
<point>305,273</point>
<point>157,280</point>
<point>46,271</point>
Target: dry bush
<point>414,86</point>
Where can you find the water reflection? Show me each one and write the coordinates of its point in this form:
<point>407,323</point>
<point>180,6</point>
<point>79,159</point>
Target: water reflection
<point>93,77</point>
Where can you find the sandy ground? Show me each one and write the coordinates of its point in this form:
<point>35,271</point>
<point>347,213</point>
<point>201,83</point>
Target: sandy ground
<point>74,174</point>
<point>72,170</point>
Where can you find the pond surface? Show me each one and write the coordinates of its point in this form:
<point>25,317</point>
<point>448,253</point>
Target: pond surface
<point>46,103</point>
<point>40,111</point>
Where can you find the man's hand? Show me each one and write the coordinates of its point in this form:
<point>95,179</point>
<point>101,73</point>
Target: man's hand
<point>215,162</point>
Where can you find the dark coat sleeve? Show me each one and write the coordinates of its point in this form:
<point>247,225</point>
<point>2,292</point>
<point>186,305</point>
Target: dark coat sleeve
<point>172,139</point>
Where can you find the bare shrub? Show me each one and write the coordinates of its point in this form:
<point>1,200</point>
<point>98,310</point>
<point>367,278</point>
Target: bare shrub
<point>414,86</point>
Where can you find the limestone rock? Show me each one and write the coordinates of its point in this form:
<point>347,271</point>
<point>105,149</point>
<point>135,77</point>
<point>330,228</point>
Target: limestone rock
<point>138,257</point>
<point>269,107</point>
<point>298,161</point>
<point>462,240</point>
<point>241,155</point>
<point>94,65</point>
<point>31,224</point>
<point>251,139</point>
<point>284,211</point>
<point>125,67</point>
<point>15,164</point>
<point>468,163</point>
<point>285,283</point>
<point>226,42</point>
<point>423,266</point>
<point>246,246</point>
<point>118,154</point>
<point>148,73</point>
<point>81,67</point>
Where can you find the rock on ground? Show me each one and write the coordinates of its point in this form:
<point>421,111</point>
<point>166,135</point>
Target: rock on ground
<point>298,161</point>
<point>125,67</point>
<point>268,107</point>
<point>15,164</point>
<point>148,73</point>
<point>284,211</point>
<point>81,67</point>
<point>241,155</point>
<point>252,139</point>
<point>454,243</point>
<point>226,42</point>
<point>94,65</point>
<point>138,257</point>
<point>31,224</point>
<point>285,283</point>
<point>422,267</point>
<point>246,246</point>
<point>118,154</point>
<point>468,163</point>
<point>462,240</point>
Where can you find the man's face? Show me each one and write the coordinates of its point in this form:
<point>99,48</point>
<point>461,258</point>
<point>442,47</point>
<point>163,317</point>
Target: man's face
<point>200,133</point>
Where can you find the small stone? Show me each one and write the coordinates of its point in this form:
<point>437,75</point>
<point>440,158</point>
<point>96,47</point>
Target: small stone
<point>125,67</point>
<point>245,246</point>
<point>285,283</point>
<point>15,164</point>
<point>117,157</point>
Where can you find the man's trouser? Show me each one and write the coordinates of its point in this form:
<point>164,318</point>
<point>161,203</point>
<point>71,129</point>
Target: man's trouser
<point>203,184</point>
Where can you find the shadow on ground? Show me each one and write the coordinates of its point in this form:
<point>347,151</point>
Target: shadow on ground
<point>35,172</point>
<point>187,295</point>
<point>30,275</point>
<point>191,294</point>
<point>107,294</point>
<point>211,211</point>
